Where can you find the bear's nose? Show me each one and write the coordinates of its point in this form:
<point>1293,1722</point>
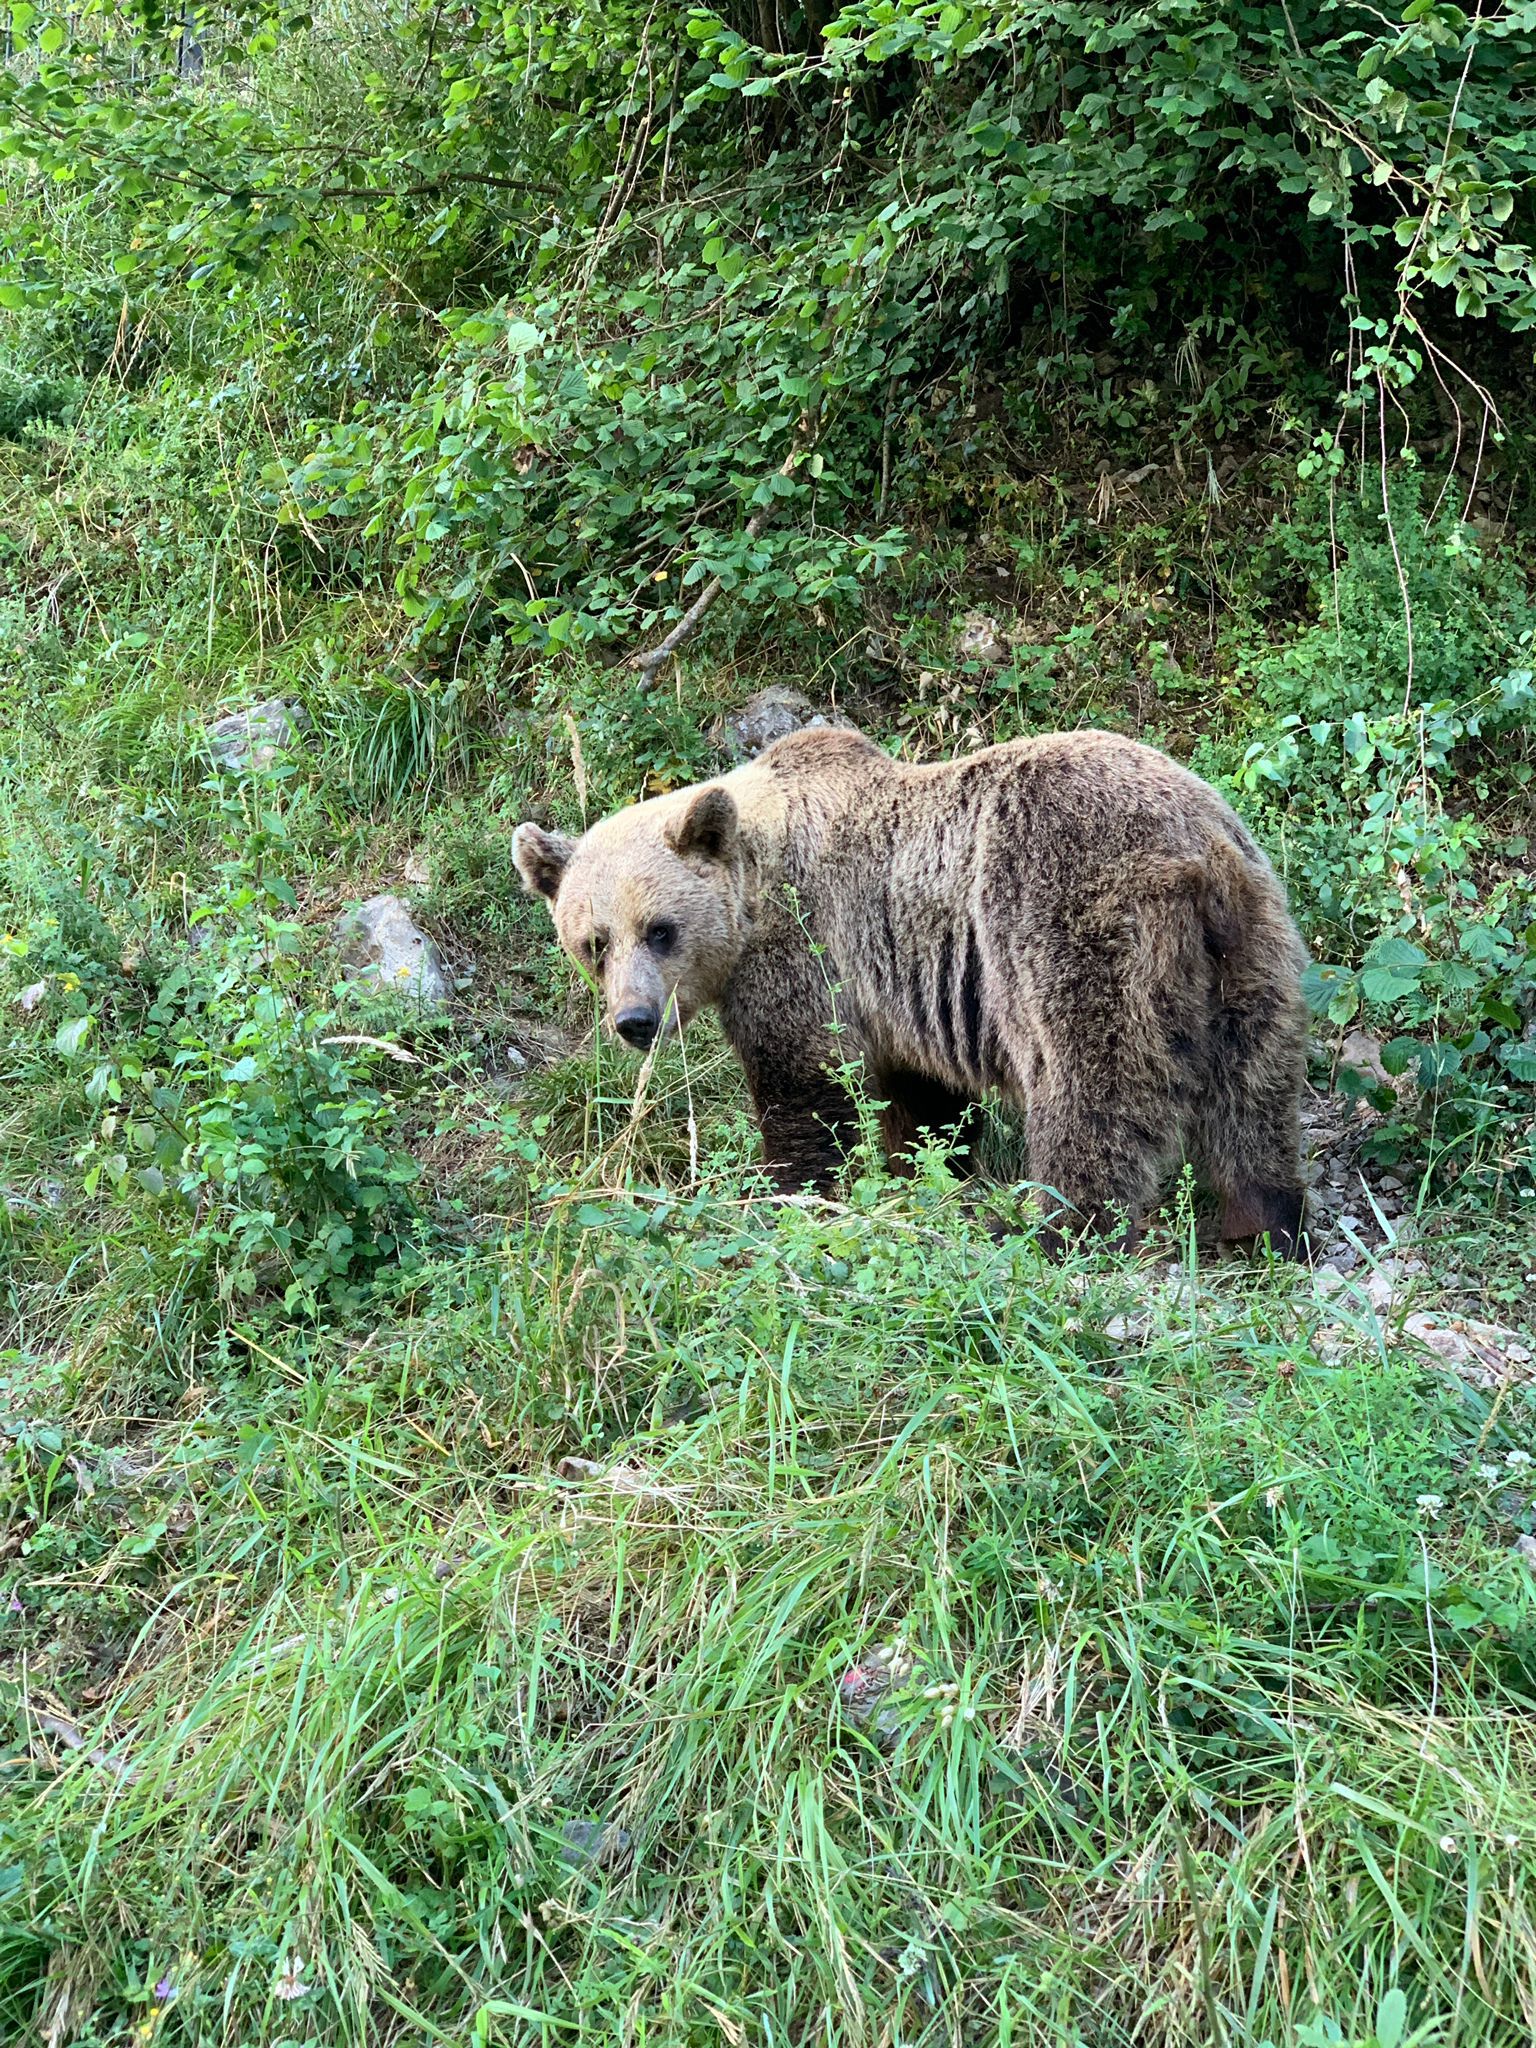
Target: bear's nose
<point>636,1027</point>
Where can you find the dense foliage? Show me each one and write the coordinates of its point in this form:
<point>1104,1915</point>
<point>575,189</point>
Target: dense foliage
<point>992,368</point>
<point>647,254</point>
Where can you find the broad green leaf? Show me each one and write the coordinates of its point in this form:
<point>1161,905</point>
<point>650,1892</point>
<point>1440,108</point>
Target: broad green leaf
<point>73,1033</point>
<point>1392,2012</point>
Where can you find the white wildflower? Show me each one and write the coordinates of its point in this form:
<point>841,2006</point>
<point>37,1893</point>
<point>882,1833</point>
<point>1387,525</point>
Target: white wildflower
<point>1517,1458</point>
<point>290,1983</point>
<point>1430,1505</point>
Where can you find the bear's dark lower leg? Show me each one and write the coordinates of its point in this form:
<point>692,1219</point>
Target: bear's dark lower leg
<point>914,1104</point>
<point>1245,1135</point>
<point>1104,1169</point>
<point>805,1113</point>
<point>1259,1211</point>
<point>1248,1145</point>
<point>805,1138</point>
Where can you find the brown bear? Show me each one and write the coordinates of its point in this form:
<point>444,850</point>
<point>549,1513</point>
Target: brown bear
<point>1074,922</point>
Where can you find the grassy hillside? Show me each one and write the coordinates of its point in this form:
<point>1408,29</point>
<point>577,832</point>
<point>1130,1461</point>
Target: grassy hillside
<point>454,1528</point>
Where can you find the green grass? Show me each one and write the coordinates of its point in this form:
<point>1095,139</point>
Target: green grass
<point>361,1652</point>
<point>313,1647</point>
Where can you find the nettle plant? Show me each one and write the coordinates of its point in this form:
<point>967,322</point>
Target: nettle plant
<point>1390,815</point>
<point>239,1107</point>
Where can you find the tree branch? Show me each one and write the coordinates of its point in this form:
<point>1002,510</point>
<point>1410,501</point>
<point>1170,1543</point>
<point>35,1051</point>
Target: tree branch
<point>649,662</point>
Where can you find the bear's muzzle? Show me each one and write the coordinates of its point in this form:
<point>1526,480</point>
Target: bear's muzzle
<point>638,1026</point>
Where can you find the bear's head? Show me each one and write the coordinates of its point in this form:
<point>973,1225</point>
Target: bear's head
<point>651,903</point>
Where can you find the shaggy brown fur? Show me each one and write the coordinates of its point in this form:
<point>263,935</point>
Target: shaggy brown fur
<point>1074,921</point>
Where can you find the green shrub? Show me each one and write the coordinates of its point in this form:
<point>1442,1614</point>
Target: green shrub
<point>34,401</point>
<point>212,1088</point>
<point>1381,781</point>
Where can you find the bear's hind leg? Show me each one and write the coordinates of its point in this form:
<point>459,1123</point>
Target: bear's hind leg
<point>1246,1139</point>
<point>1258,1210</point>
<point>913,1104</point>
<point>1103,1164</point>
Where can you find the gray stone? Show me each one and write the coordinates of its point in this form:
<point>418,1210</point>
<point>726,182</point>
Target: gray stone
<point>43,1194</point>
<point>979,637</point>
<point>1363,1053</point>
<point>594,1845</point>
<point>254,738</point>
<point>1390,1281</point>
<point>863,1692</point>
<point>768,715</point>
<point>379,941</point>
<point>1485,1352</point>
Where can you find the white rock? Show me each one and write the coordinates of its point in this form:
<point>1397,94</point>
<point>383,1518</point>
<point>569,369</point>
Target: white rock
<point>31,996</point>
<point>1390,1281</point>
<point>254,738</point>
<point>978,637</point>
<point>1487,1351</point>
<point>1363,1053</point>
<point>768,715</point>
<point>594,1845</point>
<point>416,872</point>
<point>379,941</point>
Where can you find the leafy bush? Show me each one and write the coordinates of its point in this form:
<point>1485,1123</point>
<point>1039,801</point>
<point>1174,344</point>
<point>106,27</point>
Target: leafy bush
<point>29,401</point>
<point>211,1086</point>
<point>1403,724</point>
<point>698,271</point>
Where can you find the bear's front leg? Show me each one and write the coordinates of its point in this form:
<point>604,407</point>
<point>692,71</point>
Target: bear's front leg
<point>807,1120</point>
<point>780,1016</point>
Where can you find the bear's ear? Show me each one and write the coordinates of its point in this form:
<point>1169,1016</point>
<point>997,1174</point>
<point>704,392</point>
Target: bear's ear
<point>708,826</point>
<point>541,858</point>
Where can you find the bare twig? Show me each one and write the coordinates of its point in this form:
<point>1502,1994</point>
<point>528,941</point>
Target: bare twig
<point>649,662</point>
<point>885,455</point>
<point>63,1730</point>
<point>1402,574</point>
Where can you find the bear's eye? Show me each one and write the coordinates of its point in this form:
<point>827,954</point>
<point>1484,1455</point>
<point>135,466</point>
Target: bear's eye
<point>661,937</point>
<point>595,947</point>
